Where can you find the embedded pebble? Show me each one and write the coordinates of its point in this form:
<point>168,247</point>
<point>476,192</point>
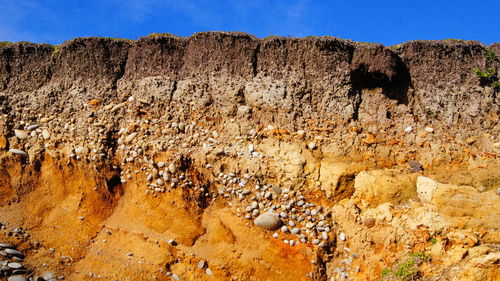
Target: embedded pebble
<point>172,168</point>
<point>21,134</point>
<point>32,127</point>
<point>311,146</point>
<point>15,253</point>
<point>14,265</point>
<point>46,134</point>
<point>18,151</point>
<point>130,137</point>
<point>4,245</point>
<point>268,220</point>
<point>17,278</point>
<point>342,236</point>
<point>48,276</point>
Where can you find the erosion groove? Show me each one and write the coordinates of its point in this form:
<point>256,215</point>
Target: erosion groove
<point>226,157</point>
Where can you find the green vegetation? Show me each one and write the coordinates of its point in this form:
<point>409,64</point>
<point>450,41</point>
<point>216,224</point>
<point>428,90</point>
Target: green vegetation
<point>491,56</point>
<point>489,77</point>
<point>395,47</point>
<point>55,50</point>
<point>5,43</point>
<point>433,240</point>
<point>406,271</point>
<point>159,35</point>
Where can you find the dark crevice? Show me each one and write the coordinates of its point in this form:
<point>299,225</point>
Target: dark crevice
<point>114,183</point>
<point>255,59</point>
<point>395,87</point>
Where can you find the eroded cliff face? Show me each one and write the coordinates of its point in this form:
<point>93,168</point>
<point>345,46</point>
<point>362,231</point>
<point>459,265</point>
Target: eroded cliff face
<point>144,159</point>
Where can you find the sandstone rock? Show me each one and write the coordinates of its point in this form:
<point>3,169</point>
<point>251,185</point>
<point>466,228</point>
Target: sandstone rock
<point>337,178</point>
<point>268,221</point>
<point>464,204</point>
<point>425,188</point>
<point>381,186</point>
<point>3,142</point>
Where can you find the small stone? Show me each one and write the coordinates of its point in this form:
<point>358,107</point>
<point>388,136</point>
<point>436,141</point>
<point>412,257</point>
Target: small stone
<point>81,218</point>
<point>269,221</point>
<point>295,230</point>
<point>17,278</point>
<point>46,134</point>
<point>315,241</point>
<point>408,129</point>
<point>255,212</point>
<point>15,253</point>
<point>175,277</point>
<point>342,236</point>
<point>32,127</point>
<point>429,130</point>
<point>172,168</point>
<point>130,137</point>
<point>415,167</point>
<point>277,189</point>
<point>324,235</point>
<point>201,264</point>
<point>48,275</point>
<point>369,222</point>
<point>15,265</point>
<point>18,152</point>
<point>4,245</point>
<point>311,146</point>
<point>208,271</point>
<point>21,134</point>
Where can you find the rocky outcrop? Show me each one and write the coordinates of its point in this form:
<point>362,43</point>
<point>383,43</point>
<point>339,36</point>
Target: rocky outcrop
<point>298,78</point>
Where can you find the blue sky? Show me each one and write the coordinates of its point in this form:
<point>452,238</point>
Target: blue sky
<point>386,22</point>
